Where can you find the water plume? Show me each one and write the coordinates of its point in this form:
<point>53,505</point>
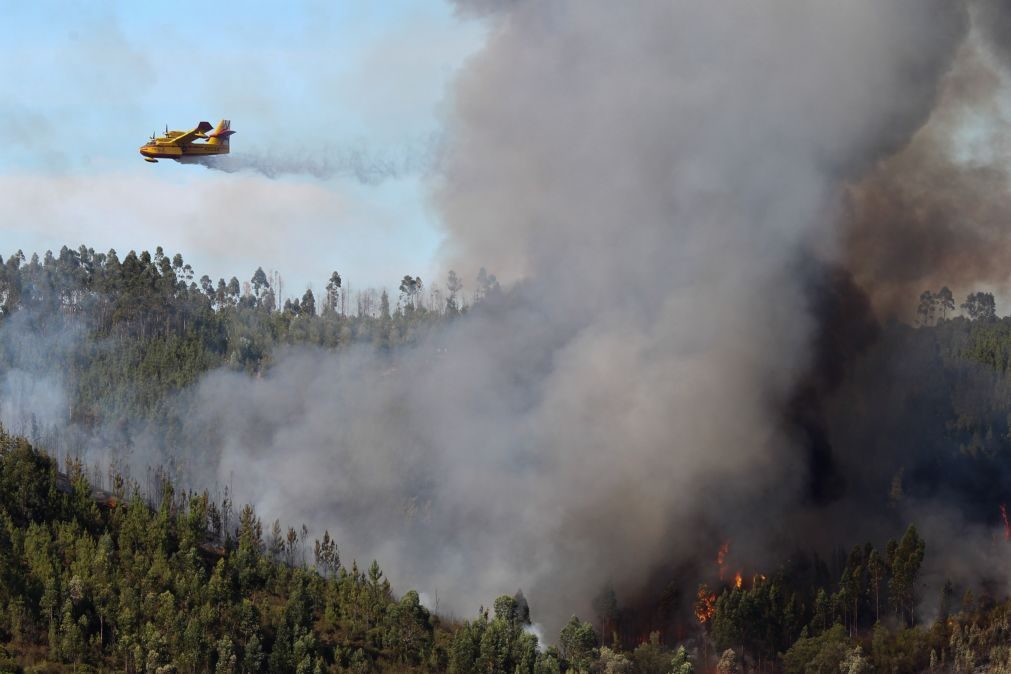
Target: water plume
<point>355,161</point>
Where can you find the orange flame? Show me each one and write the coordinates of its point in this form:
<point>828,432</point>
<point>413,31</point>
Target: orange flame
<point>737,580</point>
<point>721,557</point>
<point>705,604</point>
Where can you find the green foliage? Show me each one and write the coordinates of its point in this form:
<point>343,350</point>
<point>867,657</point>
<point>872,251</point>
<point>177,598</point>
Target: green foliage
<point>651,657</point>
<point>905,650</point>
<point>904,560</point>
<point>409,632</point>
<point>758,618</point>
<point>820,654</point>
<point>577,642</point>
<point>680,663</point>
<point>980,306</point>
<point>138,588</point>
<point>728,663</point>
<point>856,663</point>
<point>614,662</point>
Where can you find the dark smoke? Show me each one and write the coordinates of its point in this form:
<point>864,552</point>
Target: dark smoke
<point>881,407</point>
<point>994,20</point>
<point>846,328</point>
<point>926,217</point>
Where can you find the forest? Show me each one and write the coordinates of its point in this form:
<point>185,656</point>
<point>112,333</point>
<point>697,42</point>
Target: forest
<point>112,573</point>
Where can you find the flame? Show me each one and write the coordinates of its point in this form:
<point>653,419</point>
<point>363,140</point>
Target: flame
<point>705,604</point>
<point>701,612</point>
<point>1007,527</point>
<point>721,557</point>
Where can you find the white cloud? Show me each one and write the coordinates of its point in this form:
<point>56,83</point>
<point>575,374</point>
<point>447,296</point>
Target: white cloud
<point>222,224</point>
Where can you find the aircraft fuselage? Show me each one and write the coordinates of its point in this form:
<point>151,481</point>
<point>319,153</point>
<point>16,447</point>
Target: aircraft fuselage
<point>180,145</point>
<point>155,151</point>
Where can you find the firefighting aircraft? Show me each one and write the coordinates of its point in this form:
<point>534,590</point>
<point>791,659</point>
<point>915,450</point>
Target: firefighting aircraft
<point>180,145</point>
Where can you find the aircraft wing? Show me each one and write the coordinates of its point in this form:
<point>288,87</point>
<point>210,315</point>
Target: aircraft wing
<point>189,136</point>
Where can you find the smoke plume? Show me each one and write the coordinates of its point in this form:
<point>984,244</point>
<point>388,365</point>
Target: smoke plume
<point>935,213</point>
<point>654,181</point>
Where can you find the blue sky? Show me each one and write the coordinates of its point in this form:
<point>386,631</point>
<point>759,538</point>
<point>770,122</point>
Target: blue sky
<point>82,85</point>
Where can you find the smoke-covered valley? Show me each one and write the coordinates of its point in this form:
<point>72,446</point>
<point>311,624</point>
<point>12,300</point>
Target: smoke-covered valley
<point>704,216</point>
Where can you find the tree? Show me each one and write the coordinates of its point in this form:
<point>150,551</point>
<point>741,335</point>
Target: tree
<point>944,606</point>
<point>259,282</point>
<point>234,290</point>
<point>577,642</point>
<point>292,307</point>
<point>487,285</point>
<point>408,630</point>
<point>980,306</point>
<point>605,605</point>
<point>454,285</point>
<point>327,557</point>
<point>945,301</point>
<point>226,657</point>
<point>904,559</point>
<point>269,300</point>
<point>821,654</point>
<point>651,657</point>
<point>466,646</point>
<point>103,592</point>
<point>522,608</point>
<point>252,656</point>
<point>506,609</point>
<point>856,663</point>
<point>308,303</point>
<point>221,293</point>
<point>852,584</point>
<point>378,594</point>
<point>680,663</point>
<point>925,310</point>
<point>275,545</point>
<point>613,662</point>
<point>876,572</point>
<point>333,289</point>
<point>822,612</point>
<point>410,288</point>
<point>728,663</point>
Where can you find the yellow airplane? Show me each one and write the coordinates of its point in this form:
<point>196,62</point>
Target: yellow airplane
<point>179,145</point>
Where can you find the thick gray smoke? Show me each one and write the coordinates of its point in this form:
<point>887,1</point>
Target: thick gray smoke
<point>994,20</point>
<point>649,178</point>
<point>356,162</point>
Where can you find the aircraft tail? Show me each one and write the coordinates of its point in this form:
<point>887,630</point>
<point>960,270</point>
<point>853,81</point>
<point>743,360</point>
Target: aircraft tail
<point>220,135</point>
